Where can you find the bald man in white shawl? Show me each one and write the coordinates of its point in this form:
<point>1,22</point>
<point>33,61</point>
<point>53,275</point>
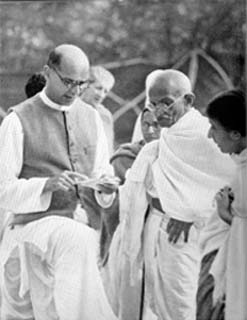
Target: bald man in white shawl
<point>176,178</point>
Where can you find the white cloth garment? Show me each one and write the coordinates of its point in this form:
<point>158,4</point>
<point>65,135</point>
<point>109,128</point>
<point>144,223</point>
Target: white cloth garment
<point>230,266</point>
<point>213,234</point>
<point>24,196</point>
<point>48,268</point>
<point>137,131</point>
<point>184,169</point>
<point>108,124</point>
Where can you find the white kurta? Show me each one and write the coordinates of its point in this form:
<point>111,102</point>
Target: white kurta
<point>48,267</point>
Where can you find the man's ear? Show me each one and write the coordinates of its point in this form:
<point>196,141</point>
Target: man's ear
<point>189,98</point>
<point>46,71</point>
<point>235,135</point>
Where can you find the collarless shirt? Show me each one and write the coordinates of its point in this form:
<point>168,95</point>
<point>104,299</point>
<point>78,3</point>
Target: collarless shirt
<point>25,195</point>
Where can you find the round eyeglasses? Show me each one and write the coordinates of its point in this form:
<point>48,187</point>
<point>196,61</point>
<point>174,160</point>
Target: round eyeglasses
<point>163,104</point>
<point>70,83</point>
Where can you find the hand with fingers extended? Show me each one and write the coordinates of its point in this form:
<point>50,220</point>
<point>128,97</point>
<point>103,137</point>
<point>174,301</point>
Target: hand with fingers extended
<point>177,227</point>
<point>63,181</point>
<point>224,199</point>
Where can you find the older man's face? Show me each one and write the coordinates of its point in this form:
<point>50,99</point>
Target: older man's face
<point>168,108</point>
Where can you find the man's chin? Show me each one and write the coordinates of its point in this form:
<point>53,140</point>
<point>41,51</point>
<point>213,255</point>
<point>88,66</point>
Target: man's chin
<point>165,122</point>
<point>96,103</point>
<point>67,101</point>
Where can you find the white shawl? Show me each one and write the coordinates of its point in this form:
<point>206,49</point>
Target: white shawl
<point>186,168</point>
<point>190,169</point>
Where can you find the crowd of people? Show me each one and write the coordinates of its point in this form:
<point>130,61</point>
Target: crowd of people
<point>154,229</point>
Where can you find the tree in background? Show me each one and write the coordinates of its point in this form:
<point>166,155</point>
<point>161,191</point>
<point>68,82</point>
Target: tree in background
<point>115,30</point>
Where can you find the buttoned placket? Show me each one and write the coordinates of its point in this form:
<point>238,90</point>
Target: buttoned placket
<point>71,145</point>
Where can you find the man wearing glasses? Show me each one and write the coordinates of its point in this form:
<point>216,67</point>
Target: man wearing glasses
<point>49,266</point>
<point>164,202</point>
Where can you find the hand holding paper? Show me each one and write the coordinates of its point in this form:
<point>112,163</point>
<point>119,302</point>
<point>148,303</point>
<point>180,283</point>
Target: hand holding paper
<point>106,184</point>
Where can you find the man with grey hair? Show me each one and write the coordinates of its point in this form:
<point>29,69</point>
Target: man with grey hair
<point>164,202</point>
<point>48,261</point>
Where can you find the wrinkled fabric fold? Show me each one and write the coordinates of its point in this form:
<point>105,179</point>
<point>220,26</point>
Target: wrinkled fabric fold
<point>230,265</point>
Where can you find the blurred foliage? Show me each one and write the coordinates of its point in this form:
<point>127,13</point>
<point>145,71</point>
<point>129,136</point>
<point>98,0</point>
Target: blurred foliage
<point>116,30</point>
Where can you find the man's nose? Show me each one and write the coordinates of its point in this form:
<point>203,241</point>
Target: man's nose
<point>101,93</point>
<point>75,90</point>
<point>151,129</point>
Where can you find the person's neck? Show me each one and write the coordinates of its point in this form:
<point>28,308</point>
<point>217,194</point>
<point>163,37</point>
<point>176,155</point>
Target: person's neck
<point>187,109</point>
<point>50,96</point>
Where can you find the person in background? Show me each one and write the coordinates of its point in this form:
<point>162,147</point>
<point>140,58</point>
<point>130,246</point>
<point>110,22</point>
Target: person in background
<point>166,198</point>
<point>125,155</point>
<point>101,81</point>
<point>222,289</point>
<point>35,83</point>
<point>48,266</point>
<point>137,134</point>
<point>121,161</point>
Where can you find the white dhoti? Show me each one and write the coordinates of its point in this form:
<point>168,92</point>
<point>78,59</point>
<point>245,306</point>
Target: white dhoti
<point>171,270</point>
<point>49,271</point>
<point>171,275</point>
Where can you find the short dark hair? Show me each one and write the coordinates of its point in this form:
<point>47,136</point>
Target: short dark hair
<point>35,84</point>
<point>54,59</point>
<point>229,109</point>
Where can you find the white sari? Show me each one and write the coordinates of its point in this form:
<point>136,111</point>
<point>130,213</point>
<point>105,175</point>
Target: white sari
<point>230,266</point>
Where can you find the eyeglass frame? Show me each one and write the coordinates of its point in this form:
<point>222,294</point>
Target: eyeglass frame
<point>72,83</point>
<point>162,104</point>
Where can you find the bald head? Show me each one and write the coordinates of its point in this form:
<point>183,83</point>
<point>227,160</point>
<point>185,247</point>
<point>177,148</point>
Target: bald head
<point>71,60</point>
<point>67,73</point>
<point>169,93</point>
<point>168,82</point>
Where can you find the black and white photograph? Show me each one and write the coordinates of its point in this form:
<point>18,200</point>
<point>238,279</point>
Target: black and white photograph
<point>123,160</point>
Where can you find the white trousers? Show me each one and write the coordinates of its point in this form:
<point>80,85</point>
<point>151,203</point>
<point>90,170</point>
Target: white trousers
<point>49,271</point>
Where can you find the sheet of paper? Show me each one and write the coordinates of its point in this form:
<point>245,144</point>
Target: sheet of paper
<point>93,183</point>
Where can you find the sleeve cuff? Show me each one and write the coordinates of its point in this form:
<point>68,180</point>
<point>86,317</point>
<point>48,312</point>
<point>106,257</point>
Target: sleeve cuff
<point>45,197</point>
<point>103,199</point>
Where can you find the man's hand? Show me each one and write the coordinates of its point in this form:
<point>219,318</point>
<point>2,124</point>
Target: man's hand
<point>176,227</point>
<point>63,181</point>
<point>224,199</point>
<point>108,184</point>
